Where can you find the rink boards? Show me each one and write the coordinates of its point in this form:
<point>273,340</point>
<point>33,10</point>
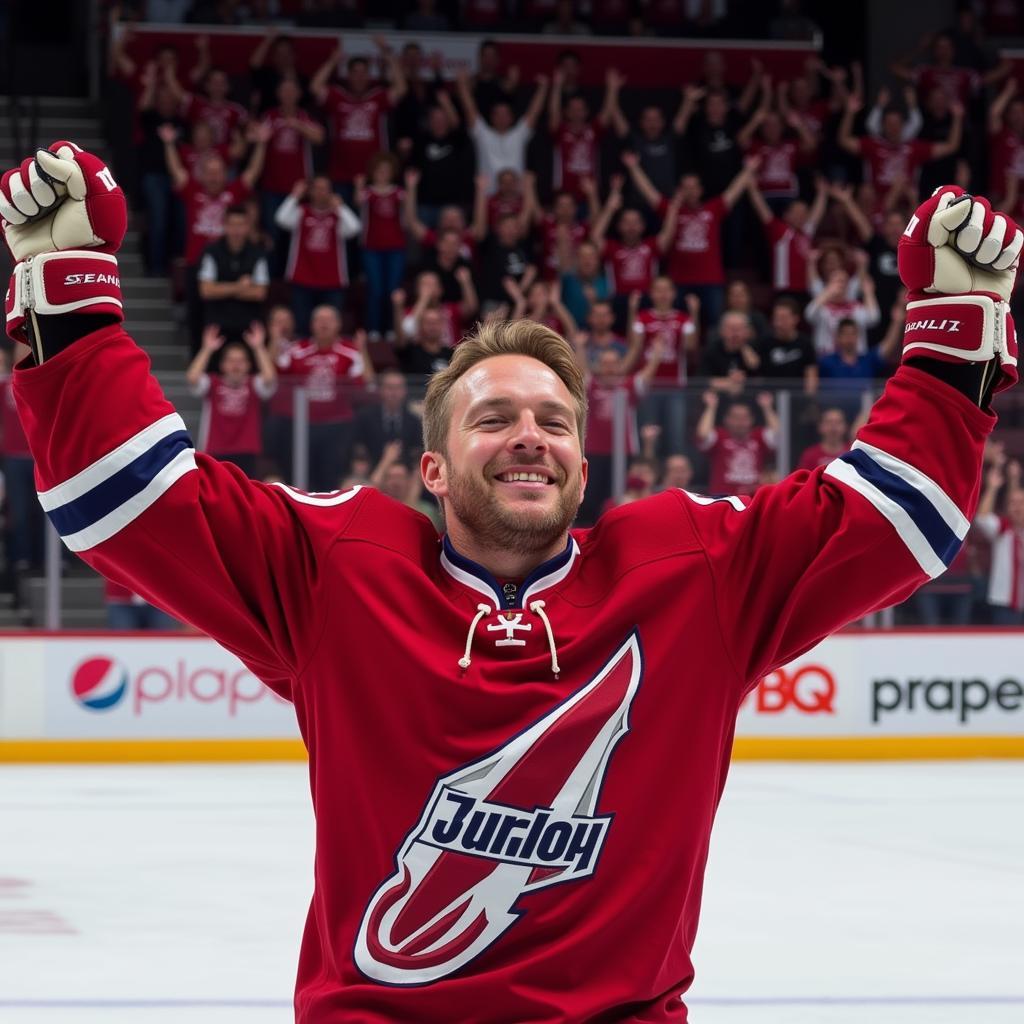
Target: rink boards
<point>859,695</point>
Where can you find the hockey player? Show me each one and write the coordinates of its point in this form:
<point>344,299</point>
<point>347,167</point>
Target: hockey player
<point>518,733</point>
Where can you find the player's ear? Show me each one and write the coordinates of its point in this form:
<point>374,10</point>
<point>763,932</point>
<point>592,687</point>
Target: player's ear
<point>434,471</point>
<point>583,472</point>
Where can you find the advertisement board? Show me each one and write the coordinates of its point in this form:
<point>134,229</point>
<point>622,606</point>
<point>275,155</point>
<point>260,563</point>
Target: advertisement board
<point>855,695</point>
<point>898,684</point>
<point>137,688</point>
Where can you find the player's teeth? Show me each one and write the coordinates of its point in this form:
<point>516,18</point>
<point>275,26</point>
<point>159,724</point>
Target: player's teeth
<point>527,477</point>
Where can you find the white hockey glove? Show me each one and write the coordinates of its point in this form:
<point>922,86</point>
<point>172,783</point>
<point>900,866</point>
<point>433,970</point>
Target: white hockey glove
<point>959,261</point>
<point>63,218</point>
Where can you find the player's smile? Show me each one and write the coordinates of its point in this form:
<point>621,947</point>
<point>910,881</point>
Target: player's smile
<point>527,478</point>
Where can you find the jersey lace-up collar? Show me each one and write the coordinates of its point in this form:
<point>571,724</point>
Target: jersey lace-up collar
<point>508,596</point>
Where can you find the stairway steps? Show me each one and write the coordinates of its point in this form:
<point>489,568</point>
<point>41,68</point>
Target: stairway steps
<point>135,288</point>
<point>154,309</point>
<point>154,320</point>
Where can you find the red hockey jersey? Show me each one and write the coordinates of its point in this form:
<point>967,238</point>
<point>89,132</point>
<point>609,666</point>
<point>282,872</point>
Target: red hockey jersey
<point>514,781</point>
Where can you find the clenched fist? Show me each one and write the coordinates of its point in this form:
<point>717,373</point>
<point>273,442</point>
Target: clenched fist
<point>62,198</point>
<point>959,261</point>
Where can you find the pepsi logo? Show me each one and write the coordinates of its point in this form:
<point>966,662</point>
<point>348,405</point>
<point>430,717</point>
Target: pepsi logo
<point>99,684</point>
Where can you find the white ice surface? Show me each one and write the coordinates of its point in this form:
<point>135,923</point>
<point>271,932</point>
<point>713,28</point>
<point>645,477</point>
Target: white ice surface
<point>888,893</point>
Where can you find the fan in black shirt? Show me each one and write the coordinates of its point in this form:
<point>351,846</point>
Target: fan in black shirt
<point>786,354</point>
<point>422,351</point>
<point>504,261</point>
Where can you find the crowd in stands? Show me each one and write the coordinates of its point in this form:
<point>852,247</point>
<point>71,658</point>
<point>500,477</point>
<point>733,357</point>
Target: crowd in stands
<point>721,255</point>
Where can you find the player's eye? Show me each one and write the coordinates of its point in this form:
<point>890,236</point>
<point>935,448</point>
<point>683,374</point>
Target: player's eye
<point>491,421</point>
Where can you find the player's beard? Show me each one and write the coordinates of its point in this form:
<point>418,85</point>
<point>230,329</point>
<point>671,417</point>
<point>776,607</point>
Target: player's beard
<point>476,505</point>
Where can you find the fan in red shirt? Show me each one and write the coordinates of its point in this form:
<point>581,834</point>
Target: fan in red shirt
<point>668,330</point>
<point>608,380</point>
<point>576,136</point>
<point>356,112</point>
<point>777,153</point>
<point>889,161</point>
<point>543,302</point>
<point>834,432</point>
<point>384,239</point>
<point>673,334</point>
<point>452,316</point>
<point>449,218</point>
<point>959,83</point>
<point>231,426</point>
<point>560,232</point>
<point>206,200</point>
<point>200,144</point>
<point>1006,139</point>
<point>317,267</point>
<point>212,106</point>
<point>791,236</point>
<point>738,451</point>
<point>799,98</point>
<point>207,197</point>
<point>691,237</point>
<point>632,258</point>
<point>334,371</point>
<point>292,134</point>
<point>225,117</point>
<point>507,200</point>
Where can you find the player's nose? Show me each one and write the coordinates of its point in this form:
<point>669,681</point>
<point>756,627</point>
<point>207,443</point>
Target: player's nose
<point>527,434</point>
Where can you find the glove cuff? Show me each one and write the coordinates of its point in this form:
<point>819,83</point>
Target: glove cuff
<point>972,328</point>
<point>54,283</point>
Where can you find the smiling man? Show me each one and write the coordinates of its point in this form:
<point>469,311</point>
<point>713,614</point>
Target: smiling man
<point>518,733</point>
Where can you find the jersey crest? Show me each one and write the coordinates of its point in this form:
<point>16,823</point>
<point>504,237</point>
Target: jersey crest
<point>519,819</point>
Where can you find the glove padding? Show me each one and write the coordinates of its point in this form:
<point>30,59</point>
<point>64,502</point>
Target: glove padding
<point>959,261</point>
<point>62,198</point>
<point>955,244</point>
<point>79,281</point>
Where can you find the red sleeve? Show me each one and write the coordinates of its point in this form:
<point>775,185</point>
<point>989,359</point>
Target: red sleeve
<point>862,533</point>
<point>775,229</point>
<point>120,480</point>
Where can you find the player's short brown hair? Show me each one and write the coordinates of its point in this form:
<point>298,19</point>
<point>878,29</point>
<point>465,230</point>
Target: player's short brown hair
<point>502,338</point>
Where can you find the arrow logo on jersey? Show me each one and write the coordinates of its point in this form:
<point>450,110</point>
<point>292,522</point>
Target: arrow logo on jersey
<point>519,819</point>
